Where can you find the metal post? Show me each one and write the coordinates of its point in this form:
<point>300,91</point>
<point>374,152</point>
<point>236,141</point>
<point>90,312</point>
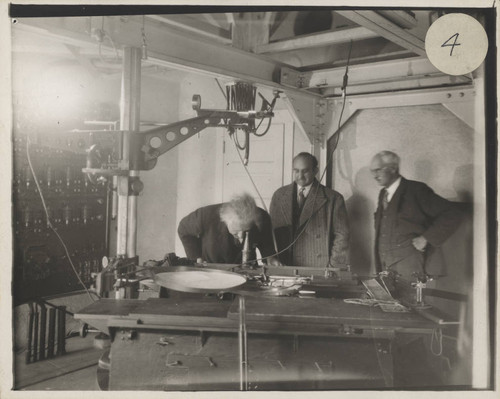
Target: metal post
<point>129,122</point>
<point>132,221</point>
<point>242,340</point>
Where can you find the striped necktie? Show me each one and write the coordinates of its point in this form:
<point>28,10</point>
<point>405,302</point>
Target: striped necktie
<point>301,198</point>
<point>385,199</point>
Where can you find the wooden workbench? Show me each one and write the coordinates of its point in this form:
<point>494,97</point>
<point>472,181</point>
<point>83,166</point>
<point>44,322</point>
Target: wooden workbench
<point>296,343</point>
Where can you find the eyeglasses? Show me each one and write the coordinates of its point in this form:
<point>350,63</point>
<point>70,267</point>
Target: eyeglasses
<point>378,171</point>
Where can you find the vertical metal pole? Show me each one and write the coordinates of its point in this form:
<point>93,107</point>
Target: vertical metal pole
<point>132,222</point>
<point>129,122</point>
<point>242,340</point>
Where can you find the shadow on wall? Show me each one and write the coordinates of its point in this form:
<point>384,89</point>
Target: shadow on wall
<point>463,183</point>
<point>455,255</point>
<point>360,210</point>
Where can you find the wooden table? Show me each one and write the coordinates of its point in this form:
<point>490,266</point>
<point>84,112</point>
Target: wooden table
<point>294,343</point>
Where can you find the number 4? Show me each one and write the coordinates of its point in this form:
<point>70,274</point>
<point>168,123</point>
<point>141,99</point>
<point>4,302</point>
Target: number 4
<point>446,44</point>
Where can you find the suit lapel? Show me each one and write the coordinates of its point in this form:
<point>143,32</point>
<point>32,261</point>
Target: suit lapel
<point>286,203</point>
<point>378,212</point>
<point>315,200</point>
<point>398,195</point>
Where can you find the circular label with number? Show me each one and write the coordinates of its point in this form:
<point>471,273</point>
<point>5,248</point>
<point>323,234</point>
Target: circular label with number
<point>456,44</point>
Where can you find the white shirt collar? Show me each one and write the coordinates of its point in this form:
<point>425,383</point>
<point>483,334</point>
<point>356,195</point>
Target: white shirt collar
<point>392,188</point>
<point>306,189</point>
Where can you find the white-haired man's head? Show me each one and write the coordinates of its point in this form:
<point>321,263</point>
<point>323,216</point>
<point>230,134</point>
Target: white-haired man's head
<point>385,168</point>
<point>239,214</point>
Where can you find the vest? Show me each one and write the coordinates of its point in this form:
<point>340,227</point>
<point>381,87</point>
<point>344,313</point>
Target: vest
<point>385,233</point>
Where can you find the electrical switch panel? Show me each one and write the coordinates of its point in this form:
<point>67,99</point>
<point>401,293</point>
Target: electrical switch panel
<point>75,207</point>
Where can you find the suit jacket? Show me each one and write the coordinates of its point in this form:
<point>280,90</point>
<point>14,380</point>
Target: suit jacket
<point>417,211</point>
<point>204,235</point>
<point>325,239</point>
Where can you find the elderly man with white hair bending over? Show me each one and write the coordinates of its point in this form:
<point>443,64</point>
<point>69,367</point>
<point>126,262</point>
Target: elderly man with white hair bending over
<point>216,233</point>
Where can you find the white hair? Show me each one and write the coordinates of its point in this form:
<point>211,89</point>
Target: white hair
<point>241,210</point>
<point>389,158</point>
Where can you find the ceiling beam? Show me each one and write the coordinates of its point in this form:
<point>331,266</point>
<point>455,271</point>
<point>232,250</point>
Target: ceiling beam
<point>250,30</point>
<point>84,61</point>
<point>318,39</point>
<point>448,96</point>
<point>442,95</point>
<point>385,28</point>
<point>395,70</point>
<point>278,20</point>
<point>403,19</point>
<point>230,18</point>
<point>394,86</point>
<point>217,21</point>
<point>167,47</point>
<point>195,25</point>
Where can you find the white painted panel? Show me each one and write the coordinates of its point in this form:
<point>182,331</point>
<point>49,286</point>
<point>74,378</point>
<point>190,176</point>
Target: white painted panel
<point>265,165</point>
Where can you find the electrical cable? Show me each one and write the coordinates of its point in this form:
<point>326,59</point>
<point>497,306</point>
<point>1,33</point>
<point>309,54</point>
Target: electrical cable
<point>265,131</point>
<point>237,141</point>
<point>438,333</point>
<point>49,223</point>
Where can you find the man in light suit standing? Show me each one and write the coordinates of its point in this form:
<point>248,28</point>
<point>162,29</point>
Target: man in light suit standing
<point>310,220</point>
<point>410,221</point>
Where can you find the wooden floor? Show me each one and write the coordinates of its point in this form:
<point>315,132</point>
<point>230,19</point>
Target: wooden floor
<point>80,380</point>
<point>75,370</point>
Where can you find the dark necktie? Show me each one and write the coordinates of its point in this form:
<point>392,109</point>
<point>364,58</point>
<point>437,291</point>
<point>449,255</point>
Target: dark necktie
<point>301,198</point>
<point>385,199</point>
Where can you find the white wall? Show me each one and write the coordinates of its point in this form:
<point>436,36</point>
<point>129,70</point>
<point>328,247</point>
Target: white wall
<point>197,161</point>
<point>156,209</point>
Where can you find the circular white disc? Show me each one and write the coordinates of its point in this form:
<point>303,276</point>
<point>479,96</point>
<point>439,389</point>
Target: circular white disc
<point>456,44</point>
<point>194,280</point>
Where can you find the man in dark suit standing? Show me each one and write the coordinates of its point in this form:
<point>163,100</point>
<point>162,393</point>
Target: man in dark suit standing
<point>410,220</point>
<point>216,233</point>
<point>312,217</point>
